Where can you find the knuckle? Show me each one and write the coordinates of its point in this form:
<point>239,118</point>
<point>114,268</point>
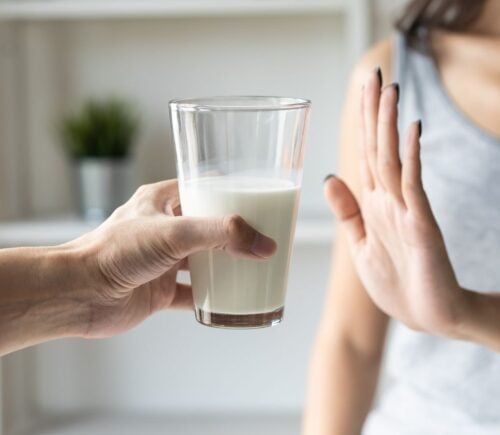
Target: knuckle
<point>410,185</point>
<point>387,163</point>
<point>237,229</point>
<point>119,212</point>
<point>143,200</point>
<point>145,191</point>
<point>141,190</point>
<point>232,224</point>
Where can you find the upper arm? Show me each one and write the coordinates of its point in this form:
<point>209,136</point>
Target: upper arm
<point>349,313</point>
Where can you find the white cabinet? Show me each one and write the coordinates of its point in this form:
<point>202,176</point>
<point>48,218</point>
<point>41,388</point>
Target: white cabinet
<point>99,9</point>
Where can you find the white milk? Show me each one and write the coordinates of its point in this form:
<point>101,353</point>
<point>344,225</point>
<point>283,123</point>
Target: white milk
<point>226,285</point>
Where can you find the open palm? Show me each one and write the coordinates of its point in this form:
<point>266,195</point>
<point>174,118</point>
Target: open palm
<point>396,244</point>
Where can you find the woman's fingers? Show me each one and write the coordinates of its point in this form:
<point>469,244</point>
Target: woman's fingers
<point>411,183</point>
<point>388,163</point>
<point>371,101</point>
<point>345,207</point>
<point>364,168</point>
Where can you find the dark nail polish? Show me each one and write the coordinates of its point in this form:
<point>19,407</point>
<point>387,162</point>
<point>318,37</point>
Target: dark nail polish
<point>379,75</point>
<point>419,128</point>
<point>396,88</point>
<point>328,177</point>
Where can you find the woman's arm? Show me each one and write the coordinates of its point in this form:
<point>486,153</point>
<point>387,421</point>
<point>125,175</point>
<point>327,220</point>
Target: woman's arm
<point>395,242</point>
<point>349,344</point>
<point>480,319</point>
<point>345,362</point>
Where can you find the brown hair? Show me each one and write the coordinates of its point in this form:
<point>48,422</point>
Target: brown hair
<point>420,16</point>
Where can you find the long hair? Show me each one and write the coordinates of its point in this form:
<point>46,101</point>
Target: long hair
<point>420,16</point>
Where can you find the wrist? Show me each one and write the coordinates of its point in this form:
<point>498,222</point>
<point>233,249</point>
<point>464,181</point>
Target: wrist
<point>87,284</point>
<point>466,311</point>
<point>43,295</point>
<point>67,271</point>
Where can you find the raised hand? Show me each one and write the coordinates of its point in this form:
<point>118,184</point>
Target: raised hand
<point>395,242</point>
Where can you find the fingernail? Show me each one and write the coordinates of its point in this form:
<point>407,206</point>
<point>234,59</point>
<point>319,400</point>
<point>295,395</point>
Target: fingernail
<point>328,177</point>
<point>379,75</point>
<point>263,246</point>
<point>419,128</point>
<point>396,88</point>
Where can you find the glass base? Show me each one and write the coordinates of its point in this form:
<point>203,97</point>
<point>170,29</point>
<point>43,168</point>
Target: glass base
<point>239,321</point>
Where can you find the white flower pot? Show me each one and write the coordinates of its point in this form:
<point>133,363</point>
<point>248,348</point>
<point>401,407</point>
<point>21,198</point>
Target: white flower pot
<point>104,185</point>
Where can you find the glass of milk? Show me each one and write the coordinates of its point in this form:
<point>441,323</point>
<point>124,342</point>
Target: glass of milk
<point>241,155</point>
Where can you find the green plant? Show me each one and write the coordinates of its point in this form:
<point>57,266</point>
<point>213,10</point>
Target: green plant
<point>101,129</point>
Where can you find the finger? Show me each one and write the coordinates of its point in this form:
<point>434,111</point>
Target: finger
<point>177,211</point>
<point>364,169</point>
<point>411,184</point>
<point>183,264</point>
<point>388,163</point>
<point>186,235</point>
<point>346,208</point>
<point>162,196</point>
<point>370,114</point>
<point>183,299</point>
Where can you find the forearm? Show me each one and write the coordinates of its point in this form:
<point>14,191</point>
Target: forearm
<point>40,296</point>
<point>479,320</point>
<point>342,384</point>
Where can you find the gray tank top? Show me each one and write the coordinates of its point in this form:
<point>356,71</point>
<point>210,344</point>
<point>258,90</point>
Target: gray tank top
<point>441,386</point>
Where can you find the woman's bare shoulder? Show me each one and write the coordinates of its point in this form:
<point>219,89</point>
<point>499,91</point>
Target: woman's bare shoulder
<point>380,54</point>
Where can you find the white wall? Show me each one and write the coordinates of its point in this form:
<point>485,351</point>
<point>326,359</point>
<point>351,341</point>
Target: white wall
<point>11,183</point>
<point>385,13</point>
<point>170,364</point>
<point>48,68</point>
<point>152,61</point>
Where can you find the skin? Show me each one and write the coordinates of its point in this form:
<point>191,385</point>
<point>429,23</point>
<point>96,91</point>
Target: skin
<point>395,242</point>
<point>388,234</point>
<point>113,278</point>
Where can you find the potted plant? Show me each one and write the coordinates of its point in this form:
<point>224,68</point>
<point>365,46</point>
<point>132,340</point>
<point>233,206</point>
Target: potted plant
<point>99,138</point>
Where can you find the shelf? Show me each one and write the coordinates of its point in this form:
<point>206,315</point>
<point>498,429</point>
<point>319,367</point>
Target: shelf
<point>59,230</point>
<point>96,9</point>
<point>42,232</point>
<point>155,425</point>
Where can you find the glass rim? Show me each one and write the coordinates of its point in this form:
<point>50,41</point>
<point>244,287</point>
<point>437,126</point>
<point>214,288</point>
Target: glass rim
<point>236,103</point>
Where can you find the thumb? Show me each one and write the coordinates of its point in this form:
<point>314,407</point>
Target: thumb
<point>231,233</point>
<point>345,207</point>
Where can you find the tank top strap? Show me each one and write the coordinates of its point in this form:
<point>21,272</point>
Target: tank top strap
<point>424,96</point>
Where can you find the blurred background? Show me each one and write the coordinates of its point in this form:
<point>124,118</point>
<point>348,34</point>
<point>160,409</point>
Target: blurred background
<point>71,70</point>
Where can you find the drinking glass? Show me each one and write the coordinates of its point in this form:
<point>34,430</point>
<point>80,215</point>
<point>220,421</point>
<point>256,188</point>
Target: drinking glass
<point>241,155</point>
